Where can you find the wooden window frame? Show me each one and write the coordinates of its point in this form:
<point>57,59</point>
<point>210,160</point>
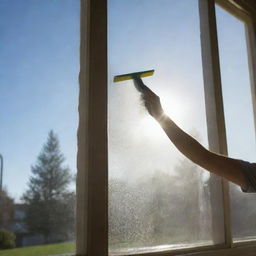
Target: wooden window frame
<point>92,159</point>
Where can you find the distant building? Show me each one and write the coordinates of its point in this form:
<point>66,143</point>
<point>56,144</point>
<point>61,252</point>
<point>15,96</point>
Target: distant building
<point>18,226</point>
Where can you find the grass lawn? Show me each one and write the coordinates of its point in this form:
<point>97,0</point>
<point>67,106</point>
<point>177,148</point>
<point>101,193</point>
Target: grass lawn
<point>40,250</point>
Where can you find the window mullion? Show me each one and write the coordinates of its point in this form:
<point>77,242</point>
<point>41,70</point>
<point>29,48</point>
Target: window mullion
<point>215,113</point>
<point>250,28</point>
<point>92,160</point>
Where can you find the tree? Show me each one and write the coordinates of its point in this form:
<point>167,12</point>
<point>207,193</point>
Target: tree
<point>49,204</point>
<point>6,209</point>
<point>7,239</point>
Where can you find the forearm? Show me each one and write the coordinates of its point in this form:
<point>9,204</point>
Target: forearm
<point>186,144</point>
<point>225,167</point>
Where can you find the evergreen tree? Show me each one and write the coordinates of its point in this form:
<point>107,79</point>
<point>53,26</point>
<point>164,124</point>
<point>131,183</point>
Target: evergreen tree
<point>6,209</point>
<point>49,204</point>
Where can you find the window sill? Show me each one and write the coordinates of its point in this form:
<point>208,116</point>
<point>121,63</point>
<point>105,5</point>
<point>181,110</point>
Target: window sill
<point>238,250</point>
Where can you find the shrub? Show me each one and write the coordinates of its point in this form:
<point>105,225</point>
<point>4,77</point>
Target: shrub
<point>7,239</point>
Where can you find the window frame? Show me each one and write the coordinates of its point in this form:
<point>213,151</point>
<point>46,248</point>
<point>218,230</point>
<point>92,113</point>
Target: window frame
<point>92,158</point>
<point>92,161</point>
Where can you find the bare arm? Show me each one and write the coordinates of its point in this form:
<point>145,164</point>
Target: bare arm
<point>225,167</point>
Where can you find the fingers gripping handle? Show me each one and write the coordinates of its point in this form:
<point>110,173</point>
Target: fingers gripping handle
<point>139,85</point>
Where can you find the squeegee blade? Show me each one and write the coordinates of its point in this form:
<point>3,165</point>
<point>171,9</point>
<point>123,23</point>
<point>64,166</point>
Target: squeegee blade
<point>132,75</point>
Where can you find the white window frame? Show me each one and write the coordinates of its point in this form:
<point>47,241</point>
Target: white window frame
<point>92,159</point>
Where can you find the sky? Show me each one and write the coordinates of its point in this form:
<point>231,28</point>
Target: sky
<point>236,87</point>
<point>39,60</point>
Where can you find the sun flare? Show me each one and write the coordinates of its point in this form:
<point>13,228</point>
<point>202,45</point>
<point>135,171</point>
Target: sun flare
<point>174,108</point>
<point>150,127</point>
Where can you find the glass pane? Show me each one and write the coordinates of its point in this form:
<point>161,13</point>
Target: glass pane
<point>238,116</point>
<point>157,199</point>
<point>39,59</point>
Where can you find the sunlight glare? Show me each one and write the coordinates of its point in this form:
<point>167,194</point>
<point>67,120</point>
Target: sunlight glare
<point>174,108</point>
<point>150,128</point>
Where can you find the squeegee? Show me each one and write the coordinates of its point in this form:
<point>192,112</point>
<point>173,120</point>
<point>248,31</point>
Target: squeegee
<point>139,85</point>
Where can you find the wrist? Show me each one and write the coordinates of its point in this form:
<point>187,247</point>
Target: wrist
<point>161,118</point>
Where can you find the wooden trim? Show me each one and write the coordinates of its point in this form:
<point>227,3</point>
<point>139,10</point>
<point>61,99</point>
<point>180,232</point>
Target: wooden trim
<point>172,252</point>
<point>250,28</point>
<point>82,136</point>
<point>220,250</point>
<point>247,6</point>
<point>92,161</point>
<point>214,109</point>
<point>240,251</point>
<point>251,242</point>
<point>239,13</point>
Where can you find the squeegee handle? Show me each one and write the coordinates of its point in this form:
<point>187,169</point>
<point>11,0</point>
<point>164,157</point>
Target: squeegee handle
<point>140,86</point>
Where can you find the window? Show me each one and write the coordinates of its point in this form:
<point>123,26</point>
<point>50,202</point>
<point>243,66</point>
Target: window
<point>238,115</point>
<point>157,198</point>
<point>39,60</point>
<point>94,165</point>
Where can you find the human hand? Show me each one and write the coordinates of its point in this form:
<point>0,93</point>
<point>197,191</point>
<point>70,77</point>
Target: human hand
<point>152,103</point>
<point>139,85</point>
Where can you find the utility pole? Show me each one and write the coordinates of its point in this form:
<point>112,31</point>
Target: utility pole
<point>1,172</point>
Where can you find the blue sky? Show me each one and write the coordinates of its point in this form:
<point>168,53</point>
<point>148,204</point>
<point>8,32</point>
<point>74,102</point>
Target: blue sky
<point>39,60</point>
<point>236,87</point>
